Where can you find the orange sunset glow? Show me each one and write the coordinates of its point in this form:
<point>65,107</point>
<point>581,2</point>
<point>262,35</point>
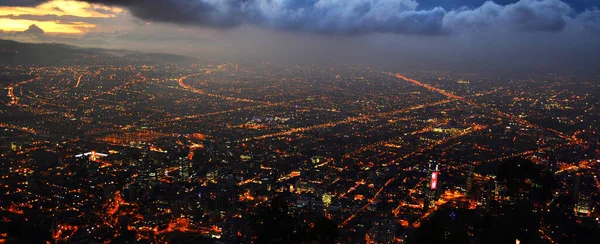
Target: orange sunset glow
<point>20,18</point>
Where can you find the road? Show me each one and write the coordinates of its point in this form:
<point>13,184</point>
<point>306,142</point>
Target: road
<point>199,91</point>
<point>344,121</point>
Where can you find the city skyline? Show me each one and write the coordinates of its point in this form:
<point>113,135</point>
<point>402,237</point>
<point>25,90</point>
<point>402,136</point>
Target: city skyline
<point>300,121</point>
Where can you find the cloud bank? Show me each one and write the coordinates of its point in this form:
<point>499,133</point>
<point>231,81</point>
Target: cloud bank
<point>525,15</point>
<point>351,17</point>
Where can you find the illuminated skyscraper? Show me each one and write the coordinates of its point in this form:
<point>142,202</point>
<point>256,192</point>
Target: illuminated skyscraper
<point>470,180</point>
<point>432,185</point>
<point>583,206</point>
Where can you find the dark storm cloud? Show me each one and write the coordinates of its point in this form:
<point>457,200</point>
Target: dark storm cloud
<point>359,16</point>
<point>349,17</point>
<point>214,13</point>
<point>590,19</point>
<point>548,15</point>
<point>329,16</point>
<point>346,17</point>
<point>526,15</point>
<point>21,2</point>
<point>579,5</point>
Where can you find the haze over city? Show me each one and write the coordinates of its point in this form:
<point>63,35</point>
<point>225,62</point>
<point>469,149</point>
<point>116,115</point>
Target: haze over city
<point>522,35</point>
<point>299,121</point>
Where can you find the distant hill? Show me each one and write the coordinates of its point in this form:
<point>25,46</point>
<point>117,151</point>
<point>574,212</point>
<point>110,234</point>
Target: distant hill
<point>17,53</point>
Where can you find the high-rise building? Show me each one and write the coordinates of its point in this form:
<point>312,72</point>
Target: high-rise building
<point>583,206</point>
<point>470,180</point>
<point>382,231</point>
<point>552,165</point>
<point>232,230</point>
<point>132,194</point>
<point>432,185</point>
<point>576,185</point>
<point>482,195</point>
<point>54,229</point>
<point>499,189</point>
<point>185,169</point>
<point>486,193</point>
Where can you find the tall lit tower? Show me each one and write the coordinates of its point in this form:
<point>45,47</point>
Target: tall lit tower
<point>432,185</point>
<point>470,180</point>
<point>583,208</point>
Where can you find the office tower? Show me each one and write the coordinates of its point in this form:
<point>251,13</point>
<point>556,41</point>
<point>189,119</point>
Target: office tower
<point>470,180</point>
<point>576,185</point>
<point>382,231</point>
<point>431,186</point>
<point>583,206</point>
